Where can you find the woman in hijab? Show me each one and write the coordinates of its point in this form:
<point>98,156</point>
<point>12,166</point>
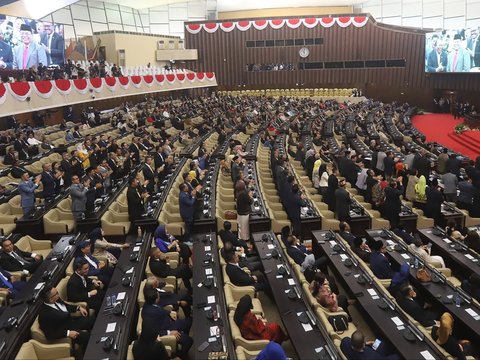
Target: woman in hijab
<point>443,336</point>
<point>167,243</point>
<point>316,173</point>
<point>253,328</point>
<point>102,248</point>
<point>272,351</point>
<point>147,347</point>
<point>399,279</point>
<point>420,191</point>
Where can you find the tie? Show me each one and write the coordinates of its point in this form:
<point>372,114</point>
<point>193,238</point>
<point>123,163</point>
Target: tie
<point>25,57</point>
<point>455,61</point>
<point>93,263</point>
<point>7,283</point>
<point>18,258</point>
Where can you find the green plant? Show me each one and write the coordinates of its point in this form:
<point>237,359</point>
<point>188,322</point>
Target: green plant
<point>460,128</point>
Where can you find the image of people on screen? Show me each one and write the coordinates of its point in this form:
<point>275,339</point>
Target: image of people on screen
<point>452,51</point>
<point>26,43</point>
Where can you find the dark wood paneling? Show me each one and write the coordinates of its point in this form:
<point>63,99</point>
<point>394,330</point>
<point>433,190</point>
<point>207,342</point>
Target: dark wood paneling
<point>226,55</point>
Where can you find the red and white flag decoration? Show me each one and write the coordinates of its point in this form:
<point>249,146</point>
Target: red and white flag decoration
<point>293,23</point>
<point>43,88</point>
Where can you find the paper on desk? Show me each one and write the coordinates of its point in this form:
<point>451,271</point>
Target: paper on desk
<point>390,243</point>
<point>472,313</point>
<point>208,271</point>
<point>279,276</point>
<point>372,292</point>
<point>39,285</point>
<point>213,330</point>
<point>448,241</point>
<point>397,321</point>
<point>307,327</point>
<point>317,350</point>
<point>208,248</point>
<point>271,246</point>
<point>332,243</point>
<point>406,256</point>
<point>291,282</point>
<point>129,271</point>
<point>121,295</point>
<point>468,256</point>
<point>111,327</point>
<point>343,256</point>
<point>136,248</point>
<point>211,299</point>
<point>426,355</point>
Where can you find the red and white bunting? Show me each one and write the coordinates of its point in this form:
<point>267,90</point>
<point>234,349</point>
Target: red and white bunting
<point>124,82</point>
<point>20,90</point>
<point>80,85</point>
<point>243,25</point>
<point>292,23</point>
<point>191,77</point>
<point>260,24</point>
<point>160,79</point>
<point>181,78</point>
<point>170,78</point>
<point>96,84</point>
<point>63,86</point>
<point>148,80</point>
<point>210,76</point>
<point>210,27</point>
<point>44,88</point>
<point>111,83</point>
<point>227,26</point>
<point>201,76</point>
<point>3,93</point>
<point>136,81</point>
<point>276,23</point>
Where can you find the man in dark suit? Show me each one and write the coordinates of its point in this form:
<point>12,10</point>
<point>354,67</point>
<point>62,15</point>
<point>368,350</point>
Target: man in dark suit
<point>134,151</point>
<point>56,320</point>
<point>433,208</point>
<point>6,54</point>
<point>356,348</point>
<point>10,284</point>
<point>299,253</point>
<point>21,147</point>
<point>473,48</point>
<point>160,267</point>
<point>342,201</point>
<point>437,60</point>
<point>53,44</point>
<point>10,157</point>
<point>14,259</point>
<point>294,201</point>
<point>76,132</point>
<point>159,156</point>
<point>150,174</point>
<point>407,301</point>
<point>48,182</point>
<point>82,288</point>
<point>166,322</point>
<point>186,201</point>
<point>422,164</point>
<point>345,232</point>
<point>379,263</point>
<point>135,200</point>
<point>67,169</point>
<point>239,277</point>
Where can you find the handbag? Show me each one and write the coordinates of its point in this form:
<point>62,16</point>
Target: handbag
<point>423,275</point>
<point>230,215</point>
<point>339,323</point>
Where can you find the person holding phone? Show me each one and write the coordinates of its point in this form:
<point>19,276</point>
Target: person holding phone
<point>356,347</point>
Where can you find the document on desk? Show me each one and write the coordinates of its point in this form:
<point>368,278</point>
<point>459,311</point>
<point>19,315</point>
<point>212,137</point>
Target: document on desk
<point>373,294</point>
<point>332,243</point>
<point>39,285</point>
<point>406,256</point>
<point>397,321</point>
<point>448,241</point>
<point>208,271</point>
<point>390,243</point>
<point>129,271</point>
<point>208,248</point>
<point>291,282</point>
<point>472,313</point>
<point>211,299</point>
<point>271,246</point>
<point>111,327</point>
<point>121,295</point>
<point>426,355</point>
<point>136,248</point>
<point>307,327</point>
<point>343,257</point>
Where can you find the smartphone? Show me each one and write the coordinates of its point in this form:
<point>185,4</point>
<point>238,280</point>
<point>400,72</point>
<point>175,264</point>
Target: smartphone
<point>376,344</point>
<point>203,346</point>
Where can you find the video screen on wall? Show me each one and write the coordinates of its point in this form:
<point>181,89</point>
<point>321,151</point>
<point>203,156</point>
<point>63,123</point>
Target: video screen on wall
<point>452,51</point>
<point>25,43</point>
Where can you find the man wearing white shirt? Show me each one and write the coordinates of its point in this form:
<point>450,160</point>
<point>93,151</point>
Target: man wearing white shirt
<point>54,45</point>
<point>14,259</point>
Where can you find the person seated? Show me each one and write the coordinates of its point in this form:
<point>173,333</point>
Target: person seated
<point>472,286</point>
<point>226,234</point>
<point>177,300</point>
<point>160,267</point>
<point>100,247</point>
<point>400,231</point>
<point>304,258</point>
<point>167,243</point>
<point>253,328</point>
<point>252,263</point>
<point>452,230</point>
<point>82,288</point>
<point>399,280</point>
<point>166,322</point>
<point>360,247</point>
<point>56,319</point>
<point>14,259</point>
<point>423,251</point>
<point>472,240</point>
<point>379,263</point>
<point>406,299</point>
<point>147,347</point>
<point>345,232</point>
<point>96,268</point>
<point>356,348</point>
<point>442,335</point>
<point>273,350</point>
<point>10,285</point>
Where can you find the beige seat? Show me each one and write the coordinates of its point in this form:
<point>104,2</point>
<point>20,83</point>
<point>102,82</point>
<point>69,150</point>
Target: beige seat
<point>233,294</point>
<point>39,335</point>
<point>168,340</point>
<point>29,244</point>
<point>115,223</point>
<point>244,354</point>
<point>58,222</point>
<point>15,206</point>
<point>173,222</point>
<point>34,350</point>
<point>7,213</point>
<point>65,205</point>
<point>62,291</point>
<point>239,340</point>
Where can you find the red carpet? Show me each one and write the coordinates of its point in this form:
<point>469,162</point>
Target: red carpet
<point>440,128</point>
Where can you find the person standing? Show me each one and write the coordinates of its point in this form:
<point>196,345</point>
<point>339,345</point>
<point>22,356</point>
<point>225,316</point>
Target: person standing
<point>78,194</point>
<point>135,201</point>
<point>459,58</point>
<point>244,208</point>
<point>433,207</point>
<point>28,54</point>
<point>342,201</point>
<point>53,44</point>
<point>450,183</point>
<point>27,188</point>
<point>186,202</point>
<point>393,202</point>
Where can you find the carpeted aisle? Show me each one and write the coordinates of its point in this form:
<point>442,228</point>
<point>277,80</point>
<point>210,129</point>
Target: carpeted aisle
<point>440,128</point>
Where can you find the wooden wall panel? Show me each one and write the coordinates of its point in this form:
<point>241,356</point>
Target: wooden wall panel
<point>226,55</point>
